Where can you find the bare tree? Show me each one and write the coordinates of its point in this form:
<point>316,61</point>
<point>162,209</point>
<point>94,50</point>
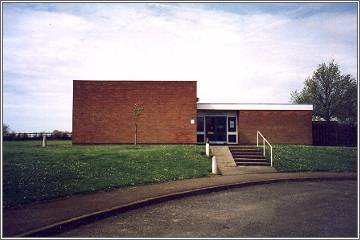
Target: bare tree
<point>137,110</point>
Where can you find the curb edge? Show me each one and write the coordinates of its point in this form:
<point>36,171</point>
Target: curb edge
<point>71,223</point>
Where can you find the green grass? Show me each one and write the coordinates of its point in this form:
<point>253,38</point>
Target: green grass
<point>33,173</point>
<point>314,158</point>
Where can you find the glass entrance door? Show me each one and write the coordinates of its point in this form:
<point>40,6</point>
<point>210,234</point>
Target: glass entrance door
<point>216,129</point>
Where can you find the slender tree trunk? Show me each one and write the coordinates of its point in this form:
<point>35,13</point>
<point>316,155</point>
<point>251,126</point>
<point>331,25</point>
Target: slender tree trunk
<point>135,133</point>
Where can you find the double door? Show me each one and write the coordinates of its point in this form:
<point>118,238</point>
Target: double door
<point>216,129</point>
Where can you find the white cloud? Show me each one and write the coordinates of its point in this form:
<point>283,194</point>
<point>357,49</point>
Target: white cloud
<point>240,58</point>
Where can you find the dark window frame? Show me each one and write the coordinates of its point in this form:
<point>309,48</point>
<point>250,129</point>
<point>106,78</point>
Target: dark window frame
<point>232,135</point>
<point>202,125</point>
<point>234,129</point>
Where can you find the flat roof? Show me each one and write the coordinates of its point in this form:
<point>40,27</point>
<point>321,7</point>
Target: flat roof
<point>253,106</point>
<point>135,81</point>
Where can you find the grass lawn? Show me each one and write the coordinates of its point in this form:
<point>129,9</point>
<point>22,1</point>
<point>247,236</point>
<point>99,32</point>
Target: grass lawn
<point>314,158</point>
<point>33,173</point>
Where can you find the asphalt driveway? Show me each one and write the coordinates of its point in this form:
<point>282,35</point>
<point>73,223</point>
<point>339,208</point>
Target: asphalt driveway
<point>290,209</point>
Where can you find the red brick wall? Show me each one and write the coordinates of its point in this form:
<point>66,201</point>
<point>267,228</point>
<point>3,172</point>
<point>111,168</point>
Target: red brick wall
<point>102,111</point>
<point>292,127</point>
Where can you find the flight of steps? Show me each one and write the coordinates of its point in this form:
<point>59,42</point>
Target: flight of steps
<point>248,156</point>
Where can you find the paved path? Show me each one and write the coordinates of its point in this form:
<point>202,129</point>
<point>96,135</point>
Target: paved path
<point>295,209</point>
<point>70,211</point>
<point>227,165</point>
<point>224,159</point>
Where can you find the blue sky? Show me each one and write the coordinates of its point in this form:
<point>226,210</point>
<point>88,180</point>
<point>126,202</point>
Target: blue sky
<point>238,52</point>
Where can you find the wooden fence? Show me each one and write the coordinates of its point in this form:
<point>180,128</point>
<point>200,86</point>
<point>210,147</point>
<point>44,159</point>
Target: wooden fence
<point>37,136</point>
<point>334,134</point>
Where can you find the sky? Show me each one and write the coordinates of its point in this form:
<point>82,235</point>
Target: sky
<point>237,52</point>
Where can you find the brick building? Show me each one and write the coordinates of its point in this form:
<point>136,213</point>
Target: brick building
<point>103,113</point>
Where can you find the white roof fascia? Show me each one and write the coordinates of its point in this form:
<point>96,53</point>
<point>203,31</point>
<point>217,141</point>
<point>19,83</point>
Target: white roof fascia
<point>253,106</point>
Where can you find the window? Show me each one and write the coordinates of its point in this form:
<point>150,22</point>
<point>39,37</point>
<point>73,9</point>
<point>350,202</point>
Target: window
<point>200,138</point>
<point>232,138</point>
<point>231,124</point>
<point>200,124</point>
<point>200,130</point>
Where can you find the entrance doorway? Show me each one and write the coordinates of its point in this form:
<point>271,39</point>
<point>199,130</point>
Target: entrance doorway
<point>220,127</point>
<point>216,129</point>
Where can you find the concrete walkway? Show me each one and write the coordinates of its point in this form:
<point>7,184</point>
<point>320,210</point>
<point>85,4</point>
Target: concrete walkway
<point>227,165</point>
<point>225,162</point>
<point>41,219</point>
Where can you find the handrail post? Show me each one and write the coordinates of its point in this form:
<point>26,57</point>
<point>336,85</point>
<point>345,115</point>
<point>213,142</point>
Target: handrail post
<point>264,146</point>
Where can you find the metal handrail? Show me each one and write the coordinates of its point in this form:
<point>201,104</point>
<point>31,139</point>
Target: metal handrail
<point>264,141</point>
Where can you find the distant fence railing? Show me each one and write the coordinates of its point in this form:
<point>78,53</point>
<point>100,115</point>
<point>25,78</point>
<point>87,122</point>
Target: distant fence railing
<point>334,134</point>
<point>37,136</point>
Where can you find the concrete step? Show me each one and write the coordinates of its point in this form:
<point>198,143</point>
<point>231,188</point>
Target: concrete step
<point>241,146</point>
<point>244,148</point>
<point>245,151</point>
<point>248,156</point>
<point>253,164</point>
<point>250,160</point>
